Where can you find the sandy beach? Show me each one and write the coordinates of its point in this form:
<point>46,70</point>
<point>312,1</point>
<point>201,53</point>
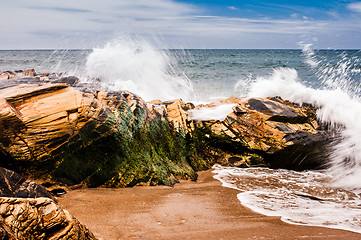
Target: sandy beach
<point>190,210</point>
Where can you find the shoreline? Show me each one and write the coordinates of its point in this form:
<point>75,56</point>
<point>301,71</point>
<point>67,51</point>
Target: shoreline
<point>189,210</point>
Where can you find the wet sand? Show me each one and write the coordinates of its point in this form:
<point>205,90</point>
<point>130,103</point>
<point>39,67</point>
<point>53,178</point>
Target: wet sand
<point>190,210</point>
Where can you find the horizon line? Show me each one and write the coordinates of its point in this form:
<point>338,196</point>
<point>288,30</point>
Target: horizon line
<point>88,49</point>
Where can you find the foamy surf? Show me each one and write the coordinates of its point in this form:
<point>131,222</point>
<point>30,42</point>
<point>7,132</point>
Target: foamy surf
<point>329,198</point>
<point>335,107</point>
<point>297,197</point>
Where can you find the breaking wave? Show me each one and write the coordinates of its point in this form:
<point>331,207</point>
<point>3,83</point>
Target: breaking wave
<point>338,102</point>
<point>134,65</point>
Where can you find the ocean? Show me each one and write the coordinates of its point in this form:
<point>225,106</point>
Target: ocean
<point>328,79</point>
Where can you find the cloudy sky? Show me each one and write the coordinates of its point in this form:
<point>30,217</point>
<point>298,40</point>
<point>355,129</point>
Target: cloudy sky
<point>44,24</point>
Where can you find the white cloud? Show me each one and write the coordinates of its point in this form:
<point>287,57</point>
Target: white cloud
<point>356,6</point>
<point>87,23</point>
<point>232,8</point>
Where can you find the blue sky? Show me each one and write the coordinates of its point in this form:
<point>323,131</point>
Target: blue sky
<point>180,23</point>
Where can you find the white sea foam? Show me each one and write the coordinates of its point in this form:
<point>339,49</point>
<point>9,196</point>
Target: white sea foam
<point>298,197</point>
<point>134,65</point>
<point>335,106</point>
<point>331,198</point>
<point>219,112</point>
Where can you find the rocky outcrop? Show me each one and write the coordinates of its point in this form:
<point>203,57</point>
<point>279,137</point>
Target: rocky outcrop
<point>38,218</point>
<point>264,132</point>
<point>66,134</point>
<point>62,132</point>
<point>54,132</point>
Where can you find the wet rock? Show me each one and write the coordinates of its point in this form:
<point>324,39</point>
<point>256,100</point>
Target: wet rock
<point>263,132</point>
<point>177,115</point>
<point>71,80</point>
<point>63,133</point>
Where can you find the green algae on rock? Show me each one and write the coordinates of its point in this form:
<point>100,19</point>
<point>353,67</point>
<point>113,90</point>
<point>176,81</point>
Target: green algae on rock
<point>61,132</point>
<point>90,137</point>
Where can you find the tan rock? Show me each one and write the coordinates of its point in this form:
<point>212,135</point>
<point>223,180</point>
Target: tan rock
<point>34,114</point>
<point>4,76</point>
<point>29,73</point>
<point>177,116</point>
<point>39,218</point>
<point>84,137</point>
<point>263,124</point>
<point>89,136</point>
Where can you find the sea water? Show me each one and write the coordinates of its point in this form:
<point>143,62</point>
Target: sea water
<point>328,79</point>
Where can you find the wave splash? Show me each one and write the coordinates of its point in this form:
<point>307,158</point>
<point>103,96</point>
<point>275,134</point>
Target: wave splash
<point>338,102</point>
<point>136,66</point>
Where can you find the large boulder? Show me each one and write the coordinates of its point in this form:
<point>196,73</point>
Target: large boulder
<point>54,132</point>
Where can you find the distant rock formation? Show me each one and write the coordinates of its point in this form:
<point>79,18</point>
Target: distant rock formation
<point>61,132</point>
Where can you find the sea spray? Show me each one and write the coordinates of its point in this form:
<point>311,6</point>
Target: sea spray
<point>309,54</point>
<point>64,61</point>
<point>342,72</point>
<point>329,198</point>
<point>335,106</point>
<point>218,112</point>
<point>134,65</point>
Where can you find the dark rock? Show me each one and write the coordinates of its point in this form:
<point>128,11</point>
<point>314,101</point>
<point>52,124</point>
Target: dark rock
<point>311,197</point>
<point>72,81</point>
<point>302,156</point>
<point>14,185</point>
